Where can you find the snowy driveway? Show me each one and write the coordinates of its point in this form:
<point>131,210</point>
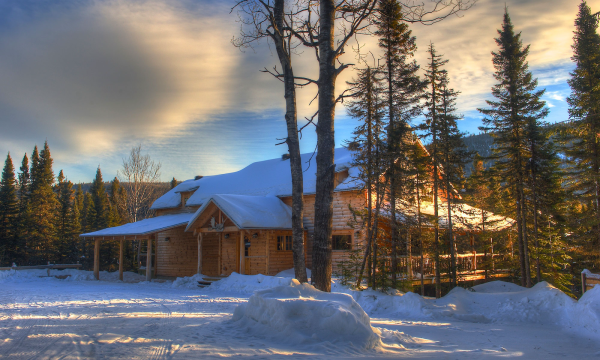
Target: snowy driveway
<point>50,318</point>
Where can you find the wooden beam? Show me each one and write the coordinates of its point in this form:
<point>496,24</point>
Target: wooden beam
<point>121,260</point>
<point>149,260</point>
<point>97,259</point>
<point>225,229</point>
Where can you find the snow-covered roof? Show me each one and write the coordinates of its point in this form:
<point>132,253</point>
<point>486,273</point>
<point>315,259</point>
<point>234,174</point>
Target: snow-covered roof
<point>250,212</point>
<point>464,217</point>
<point>144,227</point>
<point>263,178</point>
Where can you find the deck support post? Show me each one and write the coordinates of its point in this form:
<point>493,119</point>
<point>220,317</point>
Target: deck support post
<point>409,272</point>
<point>121,260</point>
<point>199,271</point>
<point>97,259</point>
<point>149,260</point>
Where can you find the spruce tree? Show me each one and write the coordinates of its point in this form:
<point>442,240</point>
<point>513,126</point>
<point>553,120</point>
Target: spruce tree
<point>403,93</point>
<point>517,104</point>
<point>24,186</point>
<point>174,183</point>
<point>64,228</point>
<point>436,77</point>
<point>43,208</point>
<point>454,156</point>
<point>100,205</point>
<point>368,137</point>
<point>581,144</point>
<point>9,210</point>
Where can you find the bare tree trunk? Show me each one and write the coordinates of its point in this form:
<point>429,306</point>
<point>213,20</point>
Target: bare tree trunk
<point>292,142</point>
<point>321,275</point>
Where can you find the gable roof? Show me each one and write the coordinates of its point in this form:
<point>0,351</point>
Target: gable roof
<point>250,212</point>
<point>144,227</point>
<point>264,178</point>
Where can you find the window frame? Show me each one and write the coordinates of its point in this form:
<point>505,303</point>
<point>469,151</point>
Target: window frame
<point>287,240</point>
<point>343,233</point>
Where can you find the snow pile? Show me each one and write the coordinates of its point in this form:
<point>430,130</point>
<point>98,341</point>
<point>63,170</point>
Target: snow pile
<point>584,316</point>
<point>190,282</point>
<point>248,284</point>
<point>299,314</point>
<point>292,273</point>
<point>396,304</point>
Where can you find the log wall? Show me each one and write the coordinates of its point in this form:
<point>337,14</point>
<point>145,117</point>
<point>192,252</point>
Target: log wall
<point>341,216</point>
<point>178,256</point>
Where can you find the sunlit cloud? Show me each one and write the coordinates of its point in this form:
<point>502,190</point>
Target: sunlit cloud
<point>95,78</point>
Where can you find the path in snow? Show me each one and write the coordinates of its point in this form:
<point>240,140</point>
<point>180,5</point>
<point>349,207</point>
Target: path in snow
<point>50,318</point>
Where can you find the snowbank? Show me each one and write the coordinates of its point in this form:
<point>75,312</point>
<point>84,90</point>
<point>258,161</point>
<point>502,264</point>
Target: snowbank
<point>300,314</point>
<point>7,276</point>
<point>235,283</point>
<point>291,273</point>
<point>584,316</point>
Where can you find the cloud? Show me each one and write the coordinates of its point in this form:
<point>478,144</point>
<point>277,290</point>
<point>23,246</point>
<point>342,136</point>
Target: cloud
<point>95,76</point>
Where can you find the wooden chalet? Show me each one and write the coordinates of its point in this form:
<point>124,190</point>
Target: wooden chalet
<point>241,221</point>
<point>238,222</point>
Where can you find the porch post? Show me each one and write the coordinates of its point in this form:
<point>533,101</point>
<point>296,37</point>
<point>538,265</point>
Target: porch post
<point>219,267</point>
<point>121,260</point>
<point>199,270</point>
<point>97,259</point>
<point>149,260</point>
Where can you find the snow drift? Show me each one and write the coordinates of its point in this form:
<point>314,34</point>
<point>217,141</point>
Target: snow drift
<point>300,314</point>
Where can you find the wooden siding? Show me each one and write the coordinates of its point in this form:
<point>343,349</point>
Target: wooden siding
<point>341,216</point>
<point>178,256</point>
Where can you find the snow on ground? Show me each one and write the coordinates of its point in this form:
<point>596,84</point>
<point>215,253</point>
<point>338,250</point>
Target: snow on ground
<point>81,318</point>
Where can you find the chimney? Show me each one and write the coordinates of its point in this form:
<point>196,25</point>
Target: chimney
<point>198,177</point>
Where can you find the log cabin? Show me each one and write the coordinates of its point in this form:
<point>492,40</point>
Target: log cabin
<point>241,221</point>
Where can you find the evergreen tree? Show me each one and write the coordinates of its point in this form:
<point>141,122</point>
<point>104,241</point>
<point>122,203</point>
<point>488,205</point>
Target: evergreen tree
<point>518,103</point>
<point>100,203</point>
<point>367,107</point>
<point>436,77</point>
<point>42,209</point>
<point>24,186</point>
<point>581,144</point>
<point>118,203</point>
<point>174,183</point>
<point>403,93</point>
<point>9,210</point>
<point>454,157</point>
<point>64,228</point>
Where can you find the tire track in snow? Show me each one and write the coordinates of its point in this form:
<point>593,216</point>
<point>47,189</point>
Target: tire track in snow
<point>164,350</point>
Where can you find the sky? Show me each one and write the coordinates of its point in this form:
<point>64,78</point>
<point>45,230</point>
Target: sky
<point>95,78</point>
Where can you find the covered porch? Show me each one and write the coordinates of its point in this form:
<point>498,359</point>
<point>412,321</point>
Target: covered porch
<point>244,234</point>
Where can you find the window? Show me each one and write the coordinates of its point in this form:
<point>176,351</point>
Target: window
<point>284,242</point>
<point>341,242</point>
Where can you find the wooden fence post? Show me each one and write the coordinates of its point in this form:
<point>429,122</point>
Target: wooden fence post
<point>583,285</point>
